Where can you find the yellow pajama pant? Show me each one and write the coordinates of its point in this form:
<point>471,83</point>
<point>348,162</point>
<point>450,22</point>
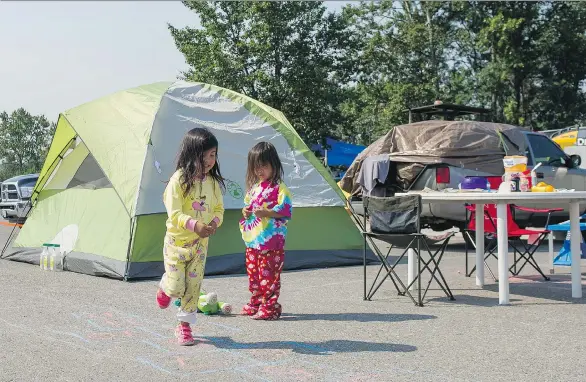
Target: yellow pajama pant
<point>184,269</point>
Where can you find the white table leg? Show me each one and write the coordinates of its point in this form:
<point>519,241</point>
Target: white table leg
<point>411,268</point>
<point>480,245</point>
<point>575,235</point>
<point>503,252</point>
<point>551,256</point>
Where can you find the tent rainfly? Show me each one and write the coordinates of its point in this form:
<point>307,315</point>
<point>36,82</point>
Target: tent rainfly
<point>99,193</point>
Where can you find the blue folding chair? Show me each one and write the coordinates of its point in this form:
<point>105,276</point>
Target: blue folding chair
<point>564,257</point>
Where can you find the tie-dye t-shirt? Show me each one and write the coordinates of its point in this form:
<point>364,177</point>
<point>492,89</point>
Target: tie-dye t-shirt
<point>266,233</point>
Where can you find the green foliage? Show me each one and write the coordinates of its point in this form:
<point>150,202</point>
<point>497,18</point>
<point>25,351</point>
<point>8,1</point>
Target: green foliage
<point>24,141</point>
<point>289,55</point>
<point>353,74</point>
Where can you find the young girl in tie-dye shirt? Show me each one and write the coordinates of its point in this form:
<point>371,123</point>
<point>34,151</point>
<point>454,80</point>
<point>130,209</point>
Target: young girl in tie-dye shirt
<point>264,229</point>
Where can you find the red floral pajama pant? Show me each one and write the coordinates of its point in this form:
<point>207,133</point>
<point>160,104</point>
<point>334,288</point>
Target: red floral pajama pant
<point>264,282</point>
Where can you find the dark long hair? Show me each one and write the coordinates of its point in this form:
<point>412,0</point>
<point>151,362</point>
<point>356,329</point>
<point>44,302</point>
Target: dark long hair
<point>262,154</point>
<point>190,160</point>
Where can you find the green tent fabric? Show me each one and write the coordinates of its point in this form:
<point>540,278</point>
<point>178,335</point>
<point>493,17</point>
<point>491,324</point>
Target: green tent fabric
<point>99,194</point>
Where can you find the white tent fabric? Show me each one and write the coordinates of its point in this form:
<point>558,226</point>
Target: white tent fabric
<point>185,106</point>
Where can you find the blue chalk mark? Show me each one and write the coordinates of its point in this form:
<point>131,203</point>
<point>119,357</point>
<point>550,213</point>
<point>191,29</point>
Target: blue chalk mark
<point>102,328</point>
<point>151,332</point>
<point>78,316</point>
<point>154,365</point>
<point>156,346</point>
<point>72,335</point>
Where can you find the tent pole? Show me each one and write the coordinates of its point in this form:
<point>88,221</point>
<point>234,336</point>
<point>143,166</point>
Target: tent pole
<point>129,249</point>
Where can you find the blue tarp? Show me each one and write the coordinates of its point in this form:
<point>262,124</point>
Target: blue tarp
<point>339,153</point>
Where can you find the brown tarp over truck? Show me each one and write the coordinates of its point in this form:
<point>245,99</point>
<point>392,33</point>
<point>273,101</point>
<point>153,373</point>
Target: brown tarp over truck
<point>468,144</point>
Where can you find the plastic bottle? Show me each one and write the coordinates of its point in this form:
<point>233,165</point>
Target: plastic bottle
<point>58,258</point>
<point>43,256</point>
<point>46,258</point>
<point>52,257</point>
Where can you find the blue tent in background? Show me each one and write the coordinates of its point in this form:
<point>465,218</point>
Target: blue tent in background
<point>338,153</point>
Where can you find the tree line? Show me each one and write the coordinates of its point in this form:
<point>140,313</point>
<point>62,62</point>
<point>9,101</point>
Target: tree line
<point>352,74</point>
<point>24,141</point>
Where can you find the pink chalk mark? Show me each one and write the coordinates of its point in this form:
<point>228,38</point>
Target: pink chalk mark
<point>101,335</point>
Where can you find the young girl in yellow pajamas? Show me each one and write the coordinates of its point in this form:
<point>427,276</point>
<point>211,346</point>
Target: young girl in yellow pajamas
<point>194,202</point>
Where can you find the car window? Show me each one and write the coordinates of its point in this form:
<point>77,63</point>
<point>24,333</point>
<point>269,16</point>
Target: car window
<point>27,182</point>
<point>545,151</point>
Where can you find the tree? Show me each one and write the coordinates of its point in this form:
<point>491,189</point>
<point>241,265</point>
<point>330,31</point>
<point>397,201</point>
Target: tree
<point>402,55</point>
<point>289,55</point>
<point>560,99</point>
<point>24,140</point>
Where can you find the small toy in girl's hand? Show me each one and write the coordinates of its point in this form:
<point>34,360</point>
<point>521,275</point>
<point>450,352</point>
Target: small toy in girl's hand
<point>208,304</point>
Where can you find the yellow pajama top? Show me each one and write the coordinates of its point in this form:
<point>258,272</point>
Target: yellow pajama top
<point>204,203</point>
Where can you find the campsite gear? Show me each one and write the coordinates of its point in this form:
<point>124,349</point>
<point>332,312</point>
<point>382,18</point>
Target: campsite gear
<point>109,162</point>
<point>44,257</point>
<point>51,258</point>
<point>56,259</point>
<point>337,153</point>
<point>463,144</point>
<point>522,252</point>
<point>396,221</point>
<point>564,257</point>
<point>474,183</point>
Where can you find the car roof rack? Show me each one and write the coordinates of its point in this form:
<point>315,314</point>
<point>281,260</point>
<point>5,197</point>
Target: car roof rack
<point>448,111</point>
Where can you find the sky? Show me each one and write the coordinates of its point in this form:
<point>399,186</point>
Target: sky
<point>55,55</point>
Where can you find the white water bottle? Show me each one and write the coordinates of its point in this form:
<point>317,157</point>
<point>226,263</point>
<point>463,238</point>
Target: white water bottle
<point>58,258</point>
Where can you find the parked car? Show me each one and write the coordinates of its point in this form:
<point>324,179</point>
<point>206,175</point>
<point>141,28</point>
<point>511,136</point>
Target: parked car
<point>557,168</point>
<point>15,196</point>
<point>475,140</point>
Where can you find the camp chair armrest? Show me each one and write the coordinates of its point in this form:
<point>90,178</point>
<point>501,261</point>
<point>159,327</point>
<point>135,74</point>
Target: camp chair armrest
<point>538,210</point>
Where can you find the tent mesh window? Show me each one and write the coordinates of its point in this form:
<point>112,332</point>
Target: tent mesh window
<point>89,175</point>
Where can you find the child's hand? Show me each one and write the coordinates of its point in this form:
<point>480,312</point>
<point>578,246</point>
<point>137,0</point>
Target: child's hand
<point>203,230</point>
<point>261,212</point>
<point>246,213</point>
<point>214,226</point>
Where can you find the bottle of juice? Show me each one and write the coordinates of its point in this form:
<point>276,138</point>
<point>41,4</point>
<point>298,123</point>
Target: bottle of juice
<point>52,257</point>
<point>43,256</point>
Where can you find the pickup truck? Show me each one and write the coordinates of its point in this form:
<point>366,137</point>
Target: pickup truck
<point>15,196</point>
<point>557,168</point>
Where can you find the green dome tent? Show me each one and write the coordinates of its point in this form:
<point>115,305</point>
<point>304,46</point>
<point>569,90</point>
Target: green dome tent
<point>99,194</point>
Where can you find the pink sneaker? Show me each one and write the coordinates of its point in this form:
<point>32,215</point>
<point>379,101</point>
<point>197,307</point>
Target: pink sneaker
<point>184,336</point>
<point>162,299</point>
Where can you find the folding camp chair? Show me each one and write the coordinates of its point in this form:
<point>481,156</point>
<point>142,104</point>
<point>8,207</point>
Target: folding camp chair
<point>396,221</point>
<point>522,252</point>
